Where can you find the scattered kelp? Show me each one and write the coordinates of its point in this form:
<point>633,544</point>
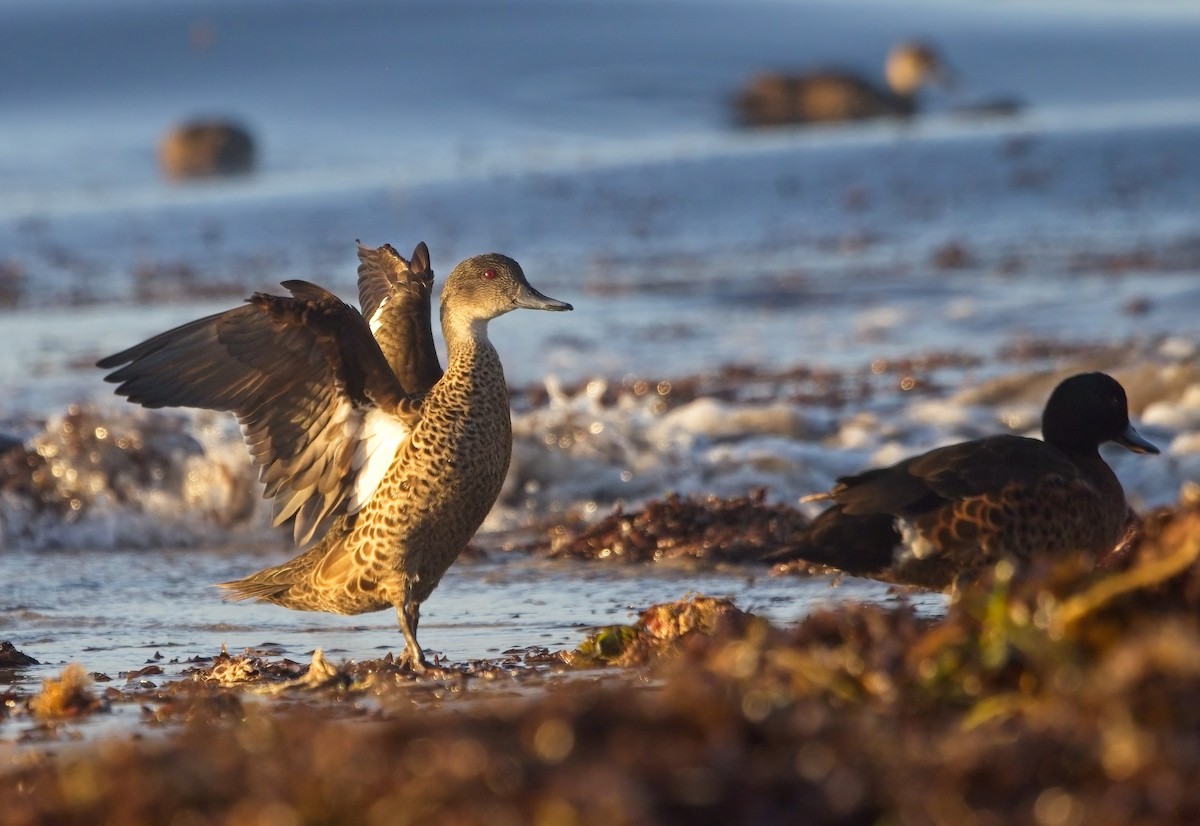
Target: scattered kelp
<point>70,695</point>
<point>258,670</point>
<point>659,630</point>
<point>236,669</point>
<point>10,657</point>
<point>740,529</point>
<point>800,384</point>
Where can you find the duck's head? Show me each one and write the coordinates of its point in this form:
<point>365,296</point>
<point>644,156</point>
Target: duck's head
<point>1085,411</point>
<point>913,64</point>
<point>486,286</point>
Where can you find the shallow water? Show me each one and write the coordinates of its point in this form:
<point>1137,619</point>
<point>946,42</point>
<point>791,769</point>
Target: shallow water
<point>114,611</point>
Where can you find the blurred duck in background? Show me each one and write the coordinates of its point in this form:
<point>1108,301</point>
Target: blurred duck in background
<point>834,96</point>
<point>839,96</point>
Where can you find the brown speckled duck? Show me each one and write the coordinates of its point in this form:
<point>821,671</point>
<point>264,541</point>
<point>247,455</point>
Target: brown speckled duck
<point>934,517</point>
<point>353,425</point>
<point>777,98</point>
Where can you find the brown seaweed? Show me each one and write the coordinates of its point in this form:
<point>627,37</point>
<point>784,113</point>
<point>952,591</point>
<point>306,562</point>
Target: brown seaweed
<point>1065,696</point>
<point>740,529</point>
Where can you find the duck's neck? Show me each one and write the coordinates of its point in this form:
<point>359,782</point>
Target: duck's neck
<point>905,102</point>
<point>1097,470</point>
<point>467,344</point>
<point>461,333</point>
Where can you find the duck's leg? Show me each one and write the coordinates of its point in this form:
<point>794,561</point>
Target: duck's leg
<point>409,615</point>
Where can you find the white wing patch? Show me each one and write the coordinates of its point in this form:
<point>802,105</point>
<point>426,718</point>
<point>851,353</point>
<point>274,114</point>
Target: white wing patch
<point>379,438</point>
<point>377,316</point>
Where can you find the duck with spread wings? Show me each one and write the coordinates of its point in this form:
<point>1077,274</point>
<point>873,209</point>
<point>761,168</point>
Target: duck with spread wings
<point>358,435</point>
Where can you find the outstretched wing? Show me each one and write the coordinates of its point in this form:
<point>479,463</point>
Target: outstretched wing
<point>396,299</point>
<point>321,411</point>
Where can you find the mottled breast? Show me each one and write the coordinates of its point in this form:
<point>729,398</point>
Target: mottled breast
<point>450,470</point>
<point>1058,515</point>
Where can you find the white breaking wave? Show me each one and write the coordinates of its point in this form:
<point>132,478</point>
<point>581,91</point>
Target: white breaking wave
<point>120,476</point>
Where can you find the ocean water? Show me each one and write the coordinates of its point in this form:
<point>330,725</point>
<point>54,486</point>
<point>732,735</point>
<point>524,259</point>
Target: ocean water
<point>753,309</point>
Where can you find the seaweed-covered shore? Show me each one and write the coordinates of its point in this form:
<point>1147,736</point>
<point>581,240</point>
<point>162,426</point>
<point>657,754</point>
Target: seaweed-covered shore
<point>1058,696</point>
<point>756,310</point>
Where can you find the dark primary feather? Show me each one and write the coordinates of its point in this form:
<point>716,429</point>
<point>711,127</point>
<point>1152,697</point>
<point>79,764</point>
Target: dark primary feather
<point>401,292</point>
<point>294,370</point>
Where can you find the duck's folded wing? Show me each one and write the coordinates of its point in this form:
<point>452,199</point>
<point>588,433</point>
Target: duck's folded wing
<point>396,296</point>
<point>958,471</point>
<point>321,411</point>
<point>991,465</point>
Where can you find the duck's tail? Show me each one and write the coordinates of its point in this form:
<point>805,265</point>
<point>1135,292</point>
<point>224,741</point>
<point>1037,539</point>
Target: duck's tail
<point>860,545</point>
<point>254,587</point>
<point>275,584</point>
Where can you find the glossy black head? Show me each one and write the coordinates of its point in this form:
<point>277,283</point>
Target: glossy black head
<point>1087,410</point>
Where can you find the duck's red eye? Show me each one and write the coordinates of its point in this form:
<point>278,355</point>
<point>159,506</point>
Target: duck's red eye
<point>489,274</point>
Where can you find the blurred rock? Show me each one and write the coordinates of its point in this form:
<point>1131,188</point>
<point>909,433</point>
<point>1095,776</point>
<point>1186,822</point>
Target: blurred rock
<point>951,256</point>
<point>206,149</point>
<point>10,657</point>
<point>13,280</point>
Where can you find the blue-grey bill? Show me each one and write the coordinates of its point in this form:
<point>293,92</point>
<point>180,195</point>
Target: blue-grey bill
<point>1135,441</point>
<point>531,299</point>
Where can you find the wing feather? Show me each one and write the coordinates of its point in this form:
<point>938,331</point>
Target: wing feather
<point>303,374</point>
<point>396,297</point>
<point>950,473</point>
